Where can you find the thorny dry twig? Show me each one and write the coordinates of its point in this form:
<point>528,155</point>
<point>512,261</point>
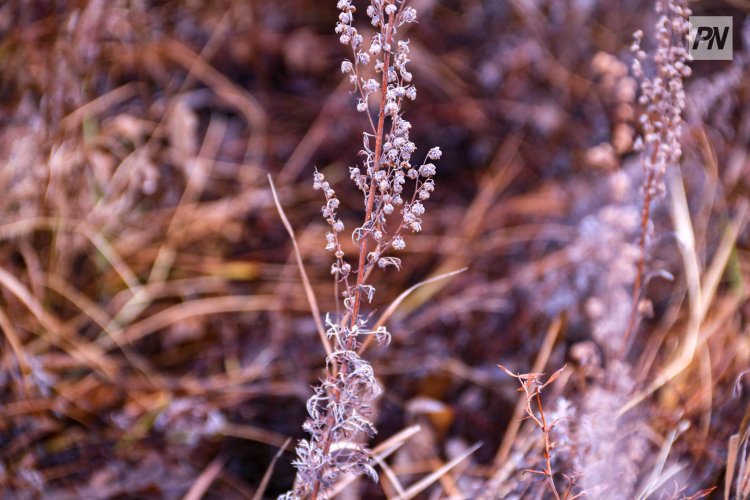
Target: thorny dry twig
<point>531,386</point>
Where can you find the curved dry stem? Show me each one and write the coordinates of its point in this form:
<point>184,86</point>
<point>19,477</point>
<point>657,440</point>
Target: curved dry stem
<point>309,293</point>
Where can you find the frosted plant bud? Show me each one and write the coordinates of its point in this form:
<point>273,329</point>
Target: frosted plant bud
<point>377,234</point>
<point>390,9</point>
<point>412,173</point>
<point>331,240</point>
<point>427,170</point>
<point>371,86</point>
<point>375,49</point>
<point>346,66</point>
<point>364,57</point>
<point>416,226</point>
<point>388,209</point>
<point>408,15</point>
<point>318,181</point>
<point>338,226</point>
<point>398,243</point>
<point>424,194</point>
<point>434,153</point>
<point>417,208</point>
<point>391,109</point>
<point>384,262</point>
<point>361,106</point>
<point>345,38</point>
<point>411,92</point>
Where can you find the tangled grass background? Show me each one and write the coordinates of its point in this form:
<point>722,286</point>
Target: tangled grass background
<point>158,341</point>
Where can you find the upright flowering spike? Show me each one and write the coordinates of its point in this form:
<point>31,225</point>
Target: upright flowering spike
<point>663,96</point>
<point>341,407</point>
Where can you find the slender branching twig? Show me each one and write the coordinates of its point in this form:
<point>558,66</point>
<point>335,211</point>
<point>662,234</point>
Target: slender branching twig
<point>531,386</point>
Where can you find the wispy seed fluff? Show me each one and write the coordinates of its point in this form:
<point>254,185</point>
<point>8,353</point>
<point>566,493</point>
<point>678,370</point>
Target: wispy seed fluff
<point>394,191</point>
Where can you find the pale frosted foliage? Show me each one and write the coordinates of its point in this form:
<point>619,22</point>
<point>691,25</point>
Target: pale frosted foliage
<point>341,422</point>
<point>606,254</point>
<point>609,451</point>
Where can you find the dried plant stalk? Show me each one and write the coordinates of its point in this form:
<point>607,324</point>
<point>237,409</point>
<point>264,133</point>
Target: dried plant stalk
<point>340,410</point>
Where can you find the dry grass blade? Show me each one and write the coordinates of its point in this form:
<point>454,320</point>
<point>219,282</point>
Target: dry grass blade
<point>701,294</point>
<point>9,330</point>
<point>380,453</point>
<point>658,476</point>
<point>192,309</point>
<point>309,293</point>
<point>253,434</point>
<point>397,302</point>
<point>315,135</point>
<point>203,482</point>
<point>269,471</point>
<point>504,170</point>
<point>226,89</point>
<point>733,449</point>
<point>87,355</point>
<point>392,478</point>
<point>99,105</point>
<point>427,481</point>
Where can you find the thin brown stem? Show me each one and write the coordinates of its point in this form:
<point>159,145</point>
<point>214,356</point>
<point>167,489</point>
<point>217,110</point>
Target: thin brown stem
<point>645,216</point>
<point>547,445</point>
<point>371,193</point>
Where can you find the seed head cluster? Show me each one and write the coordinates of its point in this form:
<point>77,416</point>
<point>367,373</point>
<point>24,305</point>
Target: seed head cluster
<point>663,94</point>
